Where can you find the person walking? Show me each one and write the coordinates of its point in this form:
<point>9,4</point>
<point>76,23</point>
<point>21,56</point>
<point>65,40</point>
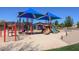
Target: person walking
<point>66,31</point>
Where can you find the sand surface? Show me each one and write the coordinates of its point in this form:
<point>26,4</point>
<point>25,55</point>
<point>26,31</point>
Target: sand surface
<point>37,42</point>
<point>72,37</point>
<point>32,42</point>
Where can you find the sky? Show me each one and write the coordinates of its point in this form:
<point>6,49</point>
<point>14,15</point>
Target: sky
<point>10,13</point>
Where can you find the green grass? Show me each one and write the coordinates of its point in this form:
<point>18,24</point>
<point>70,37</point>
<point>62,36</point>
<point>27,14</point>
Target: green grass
<point>74,47</point>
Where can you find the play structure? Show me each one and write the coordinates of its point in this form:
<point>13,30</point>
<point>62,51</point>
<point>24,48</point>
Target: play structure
<point>27,26</point>
<point>31,14</point>
<point>39,26</point>
<point>47,28</point>
<point>9,30</point>
<point>54,30</point>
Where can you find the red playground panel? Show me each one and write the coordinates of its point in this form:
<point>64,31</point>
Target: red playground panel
<point>11,30</point>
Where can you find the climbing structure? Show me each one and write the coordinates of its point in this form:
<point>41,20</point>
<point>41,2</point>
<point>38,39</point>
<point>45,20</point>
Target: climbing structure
<point>11,31</point>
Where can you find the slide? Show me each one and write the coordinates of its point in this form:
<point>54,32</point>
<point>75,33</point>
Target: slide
<point>46,31</point>
<point>54,30</point>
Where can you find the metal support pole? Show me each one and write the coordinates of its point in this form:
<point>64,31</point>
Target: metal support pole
<point>4,32</point>
<point>15,32</point>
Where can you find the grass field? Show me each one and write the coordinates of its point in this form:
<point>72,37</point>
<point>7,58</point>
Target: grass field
<point>74,47</point>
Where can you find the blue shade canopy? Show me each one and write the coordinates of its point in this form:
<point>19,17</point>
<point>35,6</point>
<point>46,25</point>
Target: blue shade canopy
<point>49,16</point>
<point>30,13</point>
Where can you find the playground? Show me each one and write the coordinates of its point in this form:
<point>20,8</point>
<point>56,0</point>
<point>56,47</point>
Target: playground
<point>38,42</point>
<point>25,35</point>
<point>26,31</point>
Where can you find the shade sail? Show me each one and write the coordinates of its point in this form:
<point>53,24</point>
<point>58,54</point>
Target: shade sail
<point>30,13</point>
<point>49,16</point>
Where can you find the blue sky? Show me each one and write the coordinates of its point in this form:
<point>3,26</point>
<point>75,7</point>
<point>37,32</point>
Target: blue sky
<point>10,13</point>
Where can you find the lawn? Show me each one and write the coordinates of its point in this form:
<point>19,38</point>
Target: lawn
<point>74,47</point>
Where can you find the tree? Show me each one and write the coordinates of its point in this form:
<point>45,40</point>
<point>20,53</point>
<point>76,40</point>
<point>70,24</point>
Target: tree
<point>2,24</point>
<point>78,24</point>
<point>61,25</point>
<point>56,23</point>
<point>68,22</point>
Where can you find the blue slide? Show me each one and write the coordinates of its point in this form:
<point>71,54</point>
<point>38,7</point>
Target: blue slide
<point>54,30</point>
